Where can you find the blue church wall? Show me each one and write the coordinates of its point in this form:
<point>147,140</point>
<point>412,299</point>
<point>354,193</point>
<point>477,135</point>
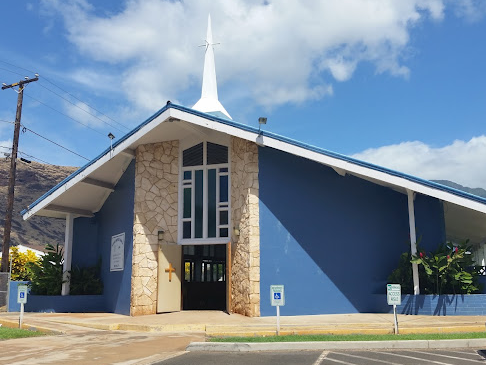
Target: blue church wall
<point>331,240</point>
<point>85,242</point>
<point>429,222</point>
<point>92,240</point>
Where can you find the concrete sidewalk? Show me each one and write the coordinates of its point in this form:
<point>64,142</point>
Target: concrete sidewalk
<point>215,323</point>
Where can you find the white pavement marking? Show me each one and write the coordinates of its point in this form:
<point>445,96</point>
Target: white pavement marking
<point>452,357</point>
<point>339,361</point>
<point>321,358</point>
<point>413,357</point>
<point>367,358</point>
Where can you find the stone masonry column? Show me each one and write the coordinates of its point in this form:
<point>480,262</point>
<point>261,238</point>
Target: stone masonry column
<point>156,185</point>
<point>245,216</point>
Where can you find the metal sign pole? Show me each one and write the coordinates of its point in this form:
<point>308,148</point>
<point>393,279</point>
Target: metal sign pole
<point>21,318</point>
<point>396,320</point>
<point>278,320</point>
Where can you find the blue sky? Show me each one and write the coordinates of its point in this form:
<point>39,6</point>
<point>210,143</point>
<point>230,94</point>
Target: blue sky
<point>398,83</point>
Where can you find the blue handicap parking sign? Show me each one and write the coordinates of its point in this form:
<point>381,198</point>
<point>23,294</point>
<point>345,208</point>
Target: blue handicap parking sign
<point>22,295</point>
<point>276,296</point>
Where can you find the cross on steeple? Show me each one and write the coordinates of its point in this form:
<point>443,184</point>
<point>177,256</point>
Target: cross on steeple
<point>209,102</point>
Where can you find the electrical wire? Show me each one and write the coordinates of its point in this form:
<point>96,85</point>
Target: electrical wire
<point>35,158</point>
<point>6,121</point>
<point>84,110</point>
<point>16,73</point>
<point>57,144</point>
<point>71,95</point>
<point>67,116</point>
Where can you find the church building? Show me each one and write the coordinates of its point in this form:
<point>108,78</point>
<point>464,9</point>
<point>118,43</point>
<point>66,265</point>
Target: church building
<point>193,210</point>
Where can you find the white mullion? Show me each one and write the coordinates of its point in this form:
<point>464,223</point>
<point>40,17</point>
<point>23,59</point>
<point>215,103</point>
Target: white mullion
<point>205,191</point>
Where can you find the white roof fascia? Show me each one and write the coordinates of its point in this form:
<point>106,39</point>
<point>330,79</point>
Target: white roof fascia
<point>330,161</point>
<point>102,160</point>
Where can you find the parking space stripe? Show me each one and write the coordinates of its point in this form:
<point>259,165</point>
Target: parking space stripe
<point>367,358</point>
<point>339,361</point>
<point>452,357</point>
<point>321,358</point>
<point>414,358</point>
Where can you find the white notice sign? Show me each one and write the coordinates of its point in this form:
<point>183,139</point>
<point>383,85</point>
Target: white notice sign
<point>117,257</point>
<point>277,297</point>
<point>394,294</point>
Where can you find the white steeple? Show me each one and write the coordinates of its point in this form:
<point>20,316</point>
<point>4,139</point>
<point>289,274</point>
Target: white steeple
<point>209,95</point>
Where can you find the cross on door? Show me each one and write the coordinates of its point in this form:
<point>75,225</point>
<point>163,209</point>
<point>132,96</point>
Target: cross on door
<point>170,270</point>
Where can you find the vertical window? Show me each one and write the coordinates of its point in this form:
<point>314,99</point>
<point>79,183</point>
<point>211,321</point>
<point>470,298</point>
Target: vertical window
<point>205,192</point>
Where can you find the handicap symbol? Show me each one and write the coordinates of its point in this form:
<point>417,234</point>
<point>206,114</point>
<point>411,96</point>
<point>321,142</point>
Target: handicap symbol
<point>22,295</point>
<point>276,296</point>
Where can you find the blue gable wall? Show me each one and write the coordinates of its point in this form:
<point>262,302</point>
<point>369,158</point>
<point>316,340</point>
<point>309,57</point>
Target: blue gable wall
<point>92,239</point>
<point>429,222</point>
<point>331,240</point>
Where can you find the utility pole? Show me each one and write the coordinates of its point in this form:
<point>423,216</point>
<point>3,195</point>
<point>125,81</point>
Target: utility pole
<point>13,168</point>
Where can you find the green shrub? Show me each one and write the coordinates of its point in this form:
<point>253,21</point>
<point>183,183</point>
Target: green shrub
<point>86,280</point>
<point>47,276</point>
<point>447,270</point>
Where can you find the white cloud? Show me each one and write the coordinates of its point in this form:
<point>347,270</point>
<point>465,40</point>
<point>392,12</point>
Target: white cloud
<point>462,161</point>
<point>5,148</point>
<point>281,51</point>
<point>472,10</point>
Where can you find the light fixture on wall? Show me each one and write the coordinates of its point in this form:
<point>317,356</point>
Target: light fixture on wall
<point>160,235</point>
<point>236,230</point>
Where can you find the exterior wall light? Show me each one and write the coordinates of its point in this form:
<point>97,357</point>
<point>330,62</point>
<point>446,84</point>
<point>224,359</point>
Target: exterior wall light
<point>160,235</point>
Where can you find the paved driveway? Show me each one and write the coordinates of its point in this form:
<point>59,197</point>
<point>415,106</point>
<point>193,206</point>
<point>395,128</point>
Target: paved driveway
<point>95,347</point>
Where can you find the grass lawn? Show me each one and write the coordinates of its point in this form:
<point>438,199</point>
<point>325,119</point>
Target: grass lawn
<point>9,333</point>
<point>301,338</point>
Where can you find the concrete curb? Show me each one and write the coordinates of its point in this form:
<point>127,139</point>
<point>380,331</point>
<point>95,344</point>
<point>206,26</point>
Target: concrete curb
<point>334,345</point>
<point>170,328</point>
<point>26,326</point>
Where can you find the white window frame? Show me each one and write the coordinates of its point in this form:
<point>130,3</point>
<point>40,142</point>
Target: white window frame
<point>183,145</point>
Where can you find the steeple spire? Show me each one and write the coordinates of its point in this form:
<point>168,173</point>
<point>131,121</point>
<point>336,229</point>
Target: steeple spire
<point>209,102</point>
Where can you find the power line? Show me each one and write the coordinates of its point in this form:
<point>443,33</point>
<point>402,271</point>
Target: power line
<point>57,144</point>
<point>67,116</point>
<point>35,158</point>
<point>6,121</point>
<point>6,69</point>
<point>71,95</point>
<point>84,110</point>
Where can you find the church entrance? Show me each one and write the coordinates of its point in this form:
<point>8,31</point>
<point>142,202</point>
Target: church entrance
<point>204,284</point>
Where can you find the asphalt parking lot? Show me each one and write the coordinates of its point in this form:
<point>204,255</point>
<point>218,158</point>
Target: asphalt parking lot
<point>398,357</point>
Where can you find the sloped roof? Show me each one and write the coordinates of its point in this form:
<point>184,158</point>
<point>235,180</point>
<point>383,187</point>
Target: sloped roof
<point>84,192</point>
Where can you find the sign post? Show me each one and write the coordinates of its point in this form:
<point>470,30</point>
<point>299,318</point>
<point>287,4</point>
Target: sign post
<point>394,297</point>
<point>22,299</point>
<point>277,298</point>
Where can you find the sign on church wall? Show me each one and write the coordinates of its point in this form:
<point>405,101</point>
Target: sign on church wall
<point>117,257</point>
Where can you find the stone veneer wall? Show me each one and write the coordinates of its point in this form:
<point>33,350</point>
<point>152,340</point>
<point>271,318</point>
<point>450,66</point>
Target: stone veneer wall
<point>156,185</point>
<point>245,215</point>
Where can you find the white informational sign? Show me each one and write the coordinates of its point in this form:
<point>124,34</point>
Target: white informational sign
<point>277,297</point>
<point>22,294</point>
<point>394,294</point>
<point>117,257</point>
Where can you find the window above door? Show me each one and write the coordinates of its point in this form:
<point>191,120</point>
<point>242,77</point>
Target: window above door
<point>204,196</point>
